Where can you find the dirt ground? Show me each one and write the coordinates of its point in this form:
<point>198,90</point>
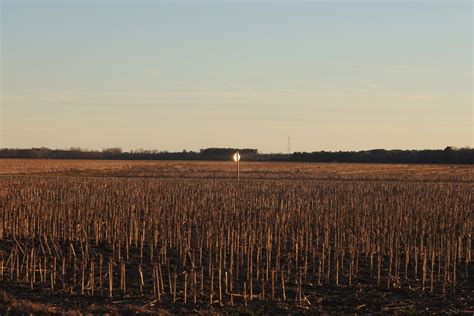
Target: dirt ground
<point>324,299</point>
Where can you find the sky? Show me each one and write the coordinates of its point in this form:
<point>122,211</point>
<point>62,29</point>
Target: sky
<point>174,75</point>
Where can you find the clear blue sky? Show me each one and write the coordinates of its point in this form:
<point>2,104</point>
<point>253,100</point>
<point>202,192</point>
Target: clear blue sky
<point>340,75</point>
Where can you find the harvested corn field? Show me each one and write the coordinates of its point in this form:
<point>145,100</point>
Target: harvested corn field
<point>178,237</point>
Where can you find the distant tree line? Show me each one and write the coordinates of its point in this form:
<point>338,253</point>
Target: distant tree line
<point>449,155</point>
<point>446,156</point>
<point>117,153</point>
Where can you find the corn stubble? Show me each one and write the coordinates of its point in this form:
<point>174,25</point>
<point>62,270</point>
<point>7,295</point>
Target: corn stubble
<point>223,242</point>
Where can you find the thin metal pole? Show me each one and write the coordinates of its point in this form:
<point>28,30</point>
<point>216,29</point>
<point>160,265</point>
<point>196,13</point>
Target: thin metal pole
<point>238,169</point>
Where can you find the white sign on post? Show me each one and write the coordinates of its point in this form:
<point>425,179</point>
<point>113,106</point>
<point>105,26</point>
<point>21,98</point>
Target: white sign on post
<point>237,160</point>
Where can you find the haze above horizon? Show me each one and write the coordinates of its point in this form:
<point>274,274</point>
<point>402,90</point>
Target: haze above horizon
<point>189,75</point>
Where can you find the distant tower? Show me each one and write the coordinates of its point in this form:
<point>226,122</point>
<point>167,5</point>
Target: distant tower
<point>289,145</point>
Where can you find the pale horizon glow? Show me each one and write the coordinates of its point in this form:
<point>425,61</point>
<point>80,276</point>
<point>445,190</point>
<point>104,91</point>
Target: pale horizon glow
<point>342,75</point>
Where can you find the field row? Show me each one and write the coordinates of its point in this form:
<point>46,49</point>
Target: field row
<point>227,170</point>
<point>223,242</point>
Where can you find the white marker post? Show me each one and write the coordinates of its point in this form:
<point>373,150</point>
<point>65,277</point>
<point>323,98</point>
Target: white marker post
<point>237,159</point>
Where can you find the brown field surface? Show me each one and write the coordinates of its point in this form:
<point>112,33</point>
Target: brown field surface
<point>249,170</point>
<point>174,237</point>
